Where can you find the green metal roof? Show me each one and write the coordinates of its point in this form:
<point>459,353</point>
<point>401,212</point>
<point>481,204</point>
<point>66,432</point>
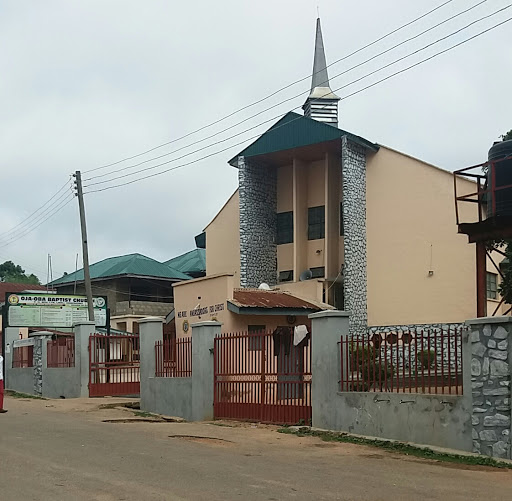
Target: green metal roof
<point>193,261</point>
<point>295,131</point>
<point>131,264</point>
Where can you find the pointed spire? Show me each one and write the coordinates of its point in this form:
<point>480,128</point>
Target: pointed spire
<point>322,103</point>
<point>320,77</point>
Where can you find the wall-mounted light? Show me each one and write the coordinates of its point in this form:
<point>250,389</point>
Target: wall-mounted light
<point>430,273</point>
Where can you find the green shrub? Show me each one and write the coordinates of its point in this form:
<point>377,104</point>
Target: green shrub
<point>426,359</point>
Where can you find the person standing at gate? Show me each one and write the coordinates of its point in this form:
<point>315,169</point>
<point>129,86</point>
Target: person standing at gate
<point>2,410</point>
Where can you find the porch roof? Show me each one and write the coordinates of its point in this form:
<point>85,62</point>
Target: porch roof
<point>272,302</point>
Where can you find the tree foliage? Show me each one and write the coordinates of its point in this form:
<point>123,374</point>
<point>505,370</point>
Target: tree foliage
<point>507,136</point>
<point>10,272</point>
<point>505,287</point>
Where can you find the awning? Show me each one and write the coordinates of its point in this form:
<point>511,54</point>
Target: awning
<point>264,302</point>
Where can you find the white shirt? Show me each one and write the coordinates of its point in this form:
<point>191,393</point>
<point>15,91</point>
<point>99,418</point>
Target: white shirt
<point>1,368</point>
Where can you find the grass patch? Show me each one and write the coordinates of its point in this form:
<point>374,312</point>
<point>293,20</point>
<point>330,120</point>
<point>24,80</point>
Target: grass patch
<point>145,414</point>
<point>397,447</point>
<point>116,405</point>
<point>17,394</point>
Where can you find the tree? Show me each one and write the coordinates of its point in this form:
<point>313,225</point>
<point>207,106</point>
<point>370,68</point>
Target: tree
<point>507,136</point>
<point>10,272</point>
<point>505,287</point>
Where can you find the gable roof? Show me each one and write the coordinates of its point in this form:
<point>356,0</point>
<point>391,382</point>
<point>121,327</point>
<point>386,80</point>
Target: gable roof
<point>294,131</point>
<point>193,261</point>
<point>130,264</point>
<point>17,287</point>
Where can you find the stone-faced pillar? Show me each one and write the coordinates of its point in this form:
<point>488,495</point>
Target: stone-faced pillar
<point>353,170</point>
<point>257,187</point>
<point>491,358</point>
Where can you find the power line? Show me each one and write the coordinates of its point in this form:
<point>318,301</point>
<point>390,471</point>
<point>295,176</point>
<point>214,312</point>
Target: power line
<point>37,210</point>
<point>57,209</point>
<point>273,118</point>
<point>30,223</point>
<point>272,107</point>
<point>275,92</point>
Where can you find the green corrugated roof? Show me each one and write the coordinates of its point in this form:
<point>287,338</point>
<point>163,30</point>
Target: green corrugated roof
<point>131,264</point>
<point>295,131</point>
<point>193,261</point>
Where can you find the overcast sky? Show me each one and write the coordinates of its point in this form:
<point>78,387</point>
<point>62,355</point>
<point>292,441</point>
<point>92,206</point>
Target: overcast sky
<point>87,83</point>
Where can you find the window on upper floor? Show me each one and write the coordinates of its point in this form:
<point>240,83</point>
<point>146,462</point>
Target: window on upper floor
<point>316,222</point>
<point>318,272</point>
<point>286,276</point>
<point>492,285</point>
<point>284,228</point>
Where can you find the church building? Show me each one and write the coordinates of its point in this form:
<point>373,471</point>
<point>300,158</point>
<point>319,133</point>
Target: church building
<point>324,218</point>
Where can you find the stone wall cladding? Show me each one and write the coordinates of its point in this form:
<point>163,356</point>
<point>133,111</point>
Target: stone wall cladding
<point>490,381</point>
<point>38,365</point>
<point>257,186</point>
<point>447,346</point>
<point>353,169</point>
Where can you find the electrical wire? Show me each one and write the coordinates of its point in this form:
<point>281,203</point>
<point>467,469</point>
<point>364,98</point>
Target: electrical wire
<point>30,223</point>
<point>288,123</point>
<point>57,210</point>
<point>277,104</point>
<point>273,93</point>
<point>21,223</point>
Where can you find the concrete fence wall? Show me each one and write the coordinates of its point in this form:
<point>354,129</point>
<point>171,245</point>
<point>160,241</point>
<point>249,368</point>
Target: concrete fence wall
<point>49,382</point>
<point>479,420</point>
<point>190,398</point>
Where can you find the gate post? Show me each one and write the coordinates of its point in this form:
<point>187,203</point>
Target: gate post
<point>327,327</point>
<point>151,330</point>
<point>83,331</point>
<point>203,336</point>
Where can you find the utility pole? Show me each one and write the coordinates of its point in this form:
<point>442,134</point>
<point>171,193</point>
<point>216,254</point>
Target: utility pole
<point>85,251</point>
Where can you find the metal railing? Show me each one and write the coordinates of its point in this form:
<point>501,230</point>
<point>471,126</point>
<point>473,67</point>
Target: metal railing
<point>22,357</point>
<point>60,352</point>
<point>173,358</point>
<point>423,361</point>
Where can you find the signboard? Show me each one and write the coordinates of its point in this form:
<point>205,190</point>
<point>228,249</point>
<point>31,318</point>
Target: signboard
<point>23,342</point>
<point>52,310</point>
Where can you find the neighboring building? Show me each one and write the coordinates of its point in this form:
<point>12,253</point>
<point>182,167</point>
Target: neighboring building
<point>136,286</point>
<point>192,263</point>
<point>334,218</point>
<point>6,287</point>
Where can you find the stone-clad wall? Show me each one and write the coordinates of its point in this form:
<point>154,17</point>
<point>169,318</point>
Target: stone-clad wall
<point>353,168</point>
<point>257,187</point>
<point>490,381</point>
<point>444,339</point>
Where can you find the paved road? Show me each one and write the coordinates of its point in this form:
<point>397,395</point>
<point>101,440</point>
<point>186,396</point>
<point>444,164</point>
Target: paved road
<point>63,450</point>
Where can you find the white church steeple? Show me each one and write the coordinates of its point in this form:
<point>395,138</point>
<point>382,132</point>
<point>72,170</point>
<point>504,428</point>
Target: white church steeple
<point>322,103</point>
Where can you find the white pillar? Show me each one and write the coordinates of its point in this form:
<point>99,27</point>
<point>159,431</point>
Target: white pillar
<point>203,336</point>
<point>83,331</point>
<point>327,327</point>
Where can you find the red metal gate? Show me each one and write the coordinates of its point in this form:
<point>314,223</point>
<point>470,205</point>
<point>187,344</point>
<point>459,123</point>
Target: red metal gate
<point>262,377</point>
<point>114,365</point>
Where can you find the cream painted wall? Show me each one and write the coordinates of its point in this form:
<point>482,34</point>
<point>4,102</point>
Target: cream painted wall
<point>205,292</point>
<point>411,229</point>
<point>285,257</point>
<point>285,188</point>
<point>316,183</point>
<point>223,240</point>
<point>309,289</point>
